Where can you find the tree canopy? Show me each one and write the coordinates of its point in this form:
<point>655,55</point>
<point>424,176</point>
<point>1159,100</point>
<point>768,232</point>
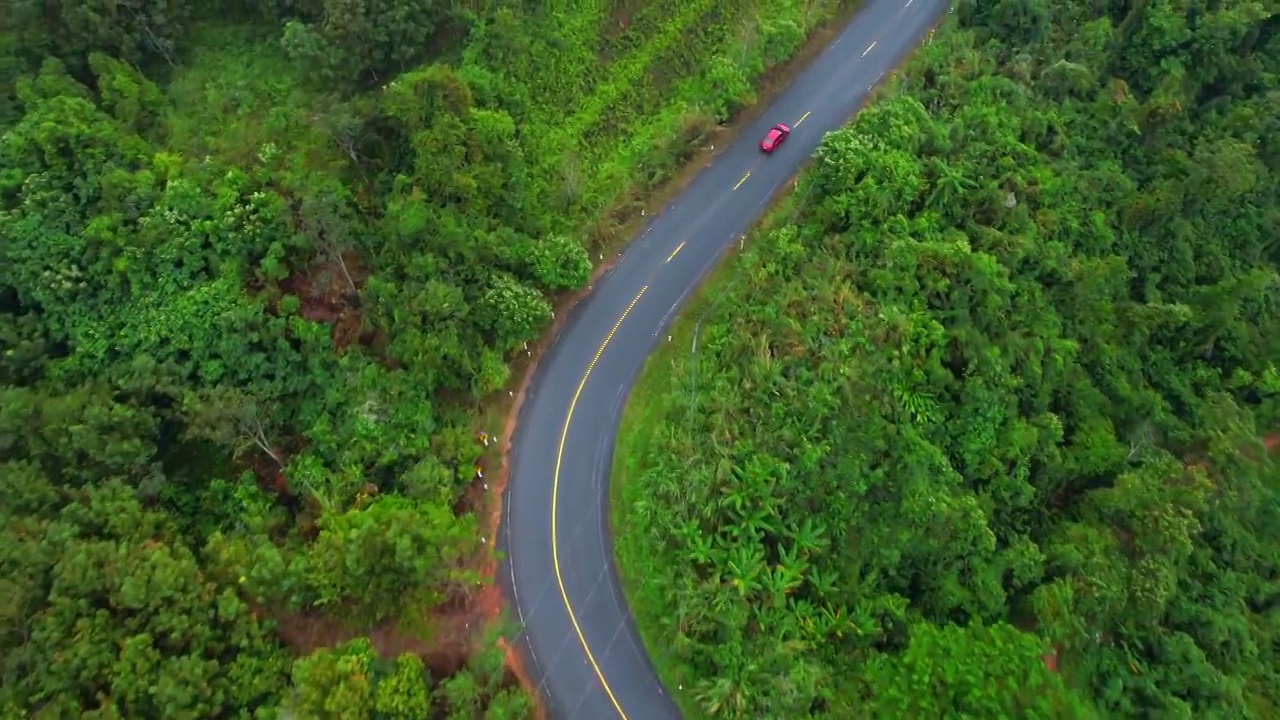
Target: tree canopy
<point>981,425</point>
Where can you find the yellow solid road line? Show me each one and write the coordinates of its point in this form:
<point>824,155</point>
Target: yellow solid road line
<point>555,496</point>
<point>802,119</point>
<point>744,179</point>
<point>673,252</point>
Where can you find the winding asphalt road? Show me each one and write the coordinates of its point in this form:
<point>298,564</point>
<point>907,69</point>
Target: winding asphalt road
<point>580,643</point>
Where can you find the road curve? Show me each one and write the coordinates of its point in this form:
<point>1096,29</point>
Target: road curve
<point>579,642</point>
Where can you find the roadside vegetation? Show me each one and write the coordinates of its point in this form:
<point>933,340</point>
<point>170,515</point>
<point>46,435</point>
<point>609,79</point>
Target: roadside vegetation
<point>981,423</point>
<point>263,265</point>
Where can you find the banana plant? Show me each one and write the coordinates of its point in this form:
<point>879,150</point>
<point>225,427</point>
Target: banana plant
<point>746,568</point>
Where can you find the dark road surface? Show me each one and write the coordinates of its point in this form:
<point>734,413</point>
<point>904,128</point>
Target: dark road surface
<point>579,642</point>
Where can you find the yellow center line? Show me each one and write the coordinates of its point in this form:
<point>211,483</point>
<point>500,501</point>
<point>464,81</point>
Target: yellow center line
<point>802,119</point>
<point>744,179</point>
<point>673,252</point>
<point>555,497</point>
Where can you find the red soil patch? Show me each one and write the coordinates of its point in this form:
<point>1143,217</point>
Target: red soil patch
<point>325,289</point>
<point>1269,445</point>
<point>617,24</point>
<point>444,653</point>
<point>269,474</point>
<point>1051,660</point>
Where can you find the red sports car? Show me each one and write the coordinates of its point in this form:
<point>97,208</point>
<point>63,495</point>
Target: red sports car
<point>777,134</point>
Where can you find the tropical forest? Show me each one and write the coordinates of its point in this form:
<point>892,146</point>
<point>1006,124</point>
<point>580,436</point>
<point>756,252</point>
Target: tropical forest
<point>982,421</point>
<point>268,270</point>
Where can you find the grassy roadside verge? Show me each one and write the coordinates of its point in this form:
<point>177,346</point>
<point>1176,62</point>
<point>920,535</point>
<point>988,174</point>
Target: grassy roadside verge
<point>648,186</point>
<point>642,417</point>
<point>645,191</point>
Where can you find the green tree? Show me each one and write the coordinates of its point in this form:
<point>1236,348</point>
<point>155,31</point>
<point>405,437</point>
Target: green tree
<point>513,312</point>
<point>388,557</point>
<point>971,671</point>
<point>139,630</point>
<point>330,684</point>
<point>403,694</point>
<point>560,263</point>
<point>353,40</point>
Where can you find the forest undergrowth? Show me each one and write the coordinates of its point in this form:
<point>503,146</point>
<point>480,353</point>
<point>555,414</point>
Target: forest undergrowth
<point>263,267</point>
<point>981,422</point>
